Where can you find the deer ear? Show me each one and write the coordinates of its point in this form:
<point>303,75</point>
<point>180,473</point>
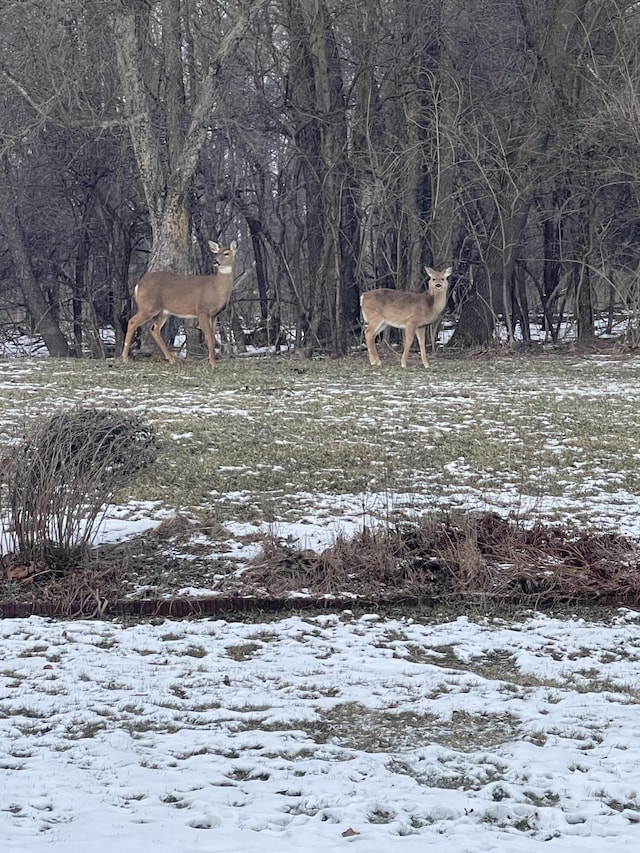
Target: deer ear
<point>430,272</point>
<point>448,272</point>
<point>214,247</point>
<point>234,245</point>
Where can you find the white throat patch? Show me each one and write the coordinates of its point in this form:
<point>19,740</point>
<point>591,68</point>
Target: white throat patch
<point>225,270</point>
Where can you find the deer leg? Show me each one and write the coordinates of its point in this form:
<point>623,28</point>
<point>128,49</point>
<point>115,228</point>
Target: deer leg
<point>370,337</point>
<point>156,327</point>
<point>371,346</point>
<point>409,334</point>
<point>420,334</point>
<point>135,322</point>
<point>208,326</point>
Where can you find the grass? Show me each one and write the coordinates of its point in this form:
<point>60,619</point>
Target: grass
<point>279,440</point>
<point>353,726</point>
<point>285,426</point>
<point>242,652</point>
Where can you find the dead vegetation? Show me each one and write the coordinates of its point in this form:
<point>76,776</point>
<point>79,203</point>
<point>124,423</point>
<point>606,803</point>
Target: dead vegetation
<point>438,560</point>
<point>442,556</point>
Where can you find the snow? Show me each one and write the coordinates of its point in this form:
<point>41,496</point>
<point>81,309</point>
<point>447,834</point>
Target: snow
<point>319,733</point>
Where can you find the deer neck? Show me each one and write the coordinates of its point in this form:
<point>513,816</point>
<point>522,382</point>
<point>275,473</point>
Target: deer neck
<point>439,298</point>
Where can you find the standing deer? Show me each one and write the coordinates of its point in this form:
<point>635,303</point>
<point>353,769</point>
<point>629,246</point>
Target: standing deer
<point>402,309</point>
<point>161,294</point>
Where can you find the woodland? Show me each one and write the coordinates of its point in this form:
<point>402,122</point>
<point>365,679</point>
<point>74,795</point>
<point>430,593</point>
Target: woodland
<point>345,145</point>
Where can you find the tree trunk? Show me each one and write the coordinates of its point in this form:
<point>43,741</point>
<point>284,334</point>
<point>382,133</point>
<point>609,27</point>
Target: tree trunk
<point>584,306</point>
<point>166,181</point>
<point>476,324</point>
<point>319,113</point>
<point>42,315</point>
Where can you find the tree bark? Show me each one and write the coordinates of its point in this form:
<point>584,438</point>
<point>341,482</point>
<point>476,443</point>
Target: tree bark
<point>318,106</point>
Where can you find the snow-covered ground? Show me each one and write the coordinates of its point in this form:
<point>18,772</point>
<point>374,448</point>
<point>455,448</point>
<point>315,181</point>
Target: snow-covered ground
<point>321,733</point>
<point>315,734</point>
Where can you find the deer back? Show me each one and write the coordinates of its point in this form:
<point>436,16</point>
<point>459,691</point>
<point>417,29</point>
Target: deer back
<point>184,295</point>
<point>169,292</point>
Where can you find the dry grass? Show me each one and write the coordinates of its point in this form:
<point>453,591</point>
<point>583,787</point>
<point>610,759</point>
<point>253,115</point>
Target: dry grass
<point>441,557</point>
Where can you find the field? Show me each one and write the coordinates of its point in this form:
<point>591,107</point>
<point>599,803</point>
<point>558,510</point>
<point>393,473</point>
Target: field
<point>304,452</point>
<point>461,727</point>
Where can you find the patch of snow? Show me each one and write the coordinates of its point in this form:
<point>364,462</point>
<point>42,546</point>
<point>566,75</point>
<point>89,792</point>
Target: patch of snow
<point>313,734</point>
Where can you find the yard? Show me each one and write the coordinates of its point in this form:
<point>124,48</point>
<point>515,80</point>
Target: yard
<point>462,725</point>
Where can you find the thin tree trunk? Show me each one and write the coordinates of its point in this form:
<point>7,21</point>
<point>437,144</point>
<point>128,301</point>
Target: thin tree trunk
<point>44,321</point>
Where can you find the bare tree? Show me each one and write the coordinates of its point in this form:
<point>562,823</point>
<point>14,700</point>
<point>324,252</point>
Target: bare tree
<point>351,142</point>
<point>167,134</point>
<point>44,320</point>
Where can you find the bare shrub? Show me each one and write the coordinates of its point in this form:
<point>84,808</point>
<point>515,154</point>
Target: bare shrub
<point>61,479</point>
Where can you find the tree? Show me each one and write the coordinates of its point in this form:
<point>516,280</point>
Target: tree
<point>43,319</point>
<point>25,114</point>
<point>353,143</point>
<point>168,134</point>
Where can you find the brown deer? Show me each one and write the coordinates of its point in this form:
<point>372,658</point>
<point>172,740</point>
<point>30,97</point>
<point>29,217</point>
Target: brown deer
<point>402,309</point>
<point>161,294</point>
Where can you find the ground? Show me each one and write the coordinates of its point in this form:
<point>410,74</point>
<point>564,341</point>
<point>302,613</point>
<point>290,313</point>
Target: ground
<point>452,725</point>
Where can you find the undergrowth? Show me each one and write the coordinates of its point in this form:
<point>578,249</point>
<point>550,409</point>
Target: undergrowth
<point>467,555</point>
<point>483,560</point>
<point>59,480</point>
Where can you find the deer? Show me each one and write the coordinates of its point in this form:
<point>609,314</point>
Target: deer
<point>403,309</point>
<point>160,294</point>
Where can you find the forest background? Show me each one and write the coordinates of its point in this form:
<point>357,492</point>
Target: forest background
<point>346,144</point>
